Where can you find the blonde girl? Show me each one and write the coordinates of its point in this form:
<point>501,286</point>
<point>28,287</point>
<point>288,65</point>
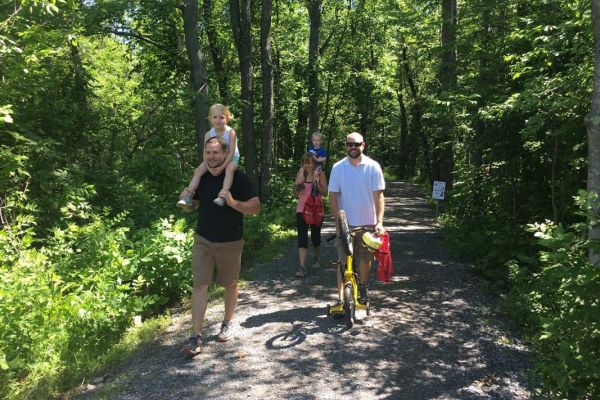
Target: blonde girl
<point>218,116</point>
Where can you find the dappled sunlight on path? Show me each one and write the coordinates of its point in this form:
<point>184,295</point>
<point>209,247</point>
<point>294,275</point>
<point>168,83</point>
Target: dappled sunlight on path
<point>432,333</point>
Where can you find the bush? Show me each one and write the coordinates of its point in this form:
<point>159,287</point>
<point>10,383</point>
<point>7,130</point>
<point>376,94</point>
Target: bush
<point>557,296</point>
<point>478,224</point>
<point>67,298</point>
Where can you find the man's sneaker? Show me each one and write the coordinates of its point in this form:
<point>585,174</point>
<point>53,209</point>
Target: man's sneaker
<point>363,293</point>
<point>226,331</point>
<point>220,201</point>
<point>193,346</point>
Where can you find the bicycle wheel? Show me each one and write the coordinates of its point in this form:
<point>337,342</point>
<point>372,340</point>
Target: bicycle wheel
<point>349,308</point>
<point>345,234</point>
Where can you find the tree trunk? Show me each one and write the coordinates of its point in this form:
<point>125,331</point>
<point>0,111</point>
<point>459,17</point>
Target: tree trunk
<point>267,100</point>
<point>197,69</point>
<point>403,153</point>
<point>448,44</point>
<point>476,153</point>
<point>593,130</point>
<point>216,53</point>
<point>448,78</point>
<point>282,131</point>
<point>314,12</point>
<point>240,24</point>
<point>78,83</point>
<point>417,127</point>
<point>301,117</point>
<point>553,180</point>
<point>328,123</point>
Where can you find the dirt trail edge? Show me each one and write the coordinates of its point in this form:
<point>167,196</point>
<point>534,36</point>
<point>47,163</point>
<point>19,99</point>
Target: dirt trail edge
<point>432,333</point>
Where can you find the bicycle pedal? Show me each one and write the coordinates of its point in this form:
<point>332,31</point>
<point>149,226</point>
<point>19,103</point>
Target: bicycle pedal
<point>336,309</point>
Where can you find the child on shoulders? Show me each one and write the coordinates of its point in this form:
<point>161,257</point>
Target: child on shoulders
<point>218,115</point>
<point>318,153</point>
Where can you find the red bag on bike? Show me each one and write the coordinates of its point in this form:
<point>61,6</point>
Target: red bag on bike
<point>313,210</point>
<point>385,269</point>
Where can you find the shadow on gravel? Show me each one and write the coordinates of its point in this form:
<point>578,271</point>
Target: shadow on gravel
<point>432,334</point>
<point>304,323</point>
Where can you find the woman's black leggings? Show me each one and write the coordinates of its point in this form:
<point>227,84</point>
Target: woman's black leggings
<point>302,229</point>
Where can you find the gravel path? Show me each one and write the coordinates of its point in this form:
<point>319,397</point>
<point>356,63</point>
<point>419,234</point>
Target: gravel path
<point>432,333</point>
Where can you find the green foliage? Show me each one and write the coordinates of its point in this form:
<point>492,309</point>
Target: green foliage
<point>274,224</point>
<point>68,297</point>
<point>96,141</point>
<point>477,221</point>
<point>558,295</point>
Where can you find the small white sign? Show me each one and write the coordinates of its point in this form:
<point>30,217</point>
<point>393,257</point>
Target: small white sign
<point>438,190</point>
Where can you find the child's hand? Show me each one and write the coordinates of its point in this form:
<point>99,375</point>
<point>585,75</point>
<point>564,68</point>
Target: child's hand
<point>216,171</point>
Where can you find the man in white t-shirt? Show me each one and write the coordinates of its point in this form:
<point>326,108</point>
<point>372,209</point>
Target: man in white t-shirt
<point>356,186</point>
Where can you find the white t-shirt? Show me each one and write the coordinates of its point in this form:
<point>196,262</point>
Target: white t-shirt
<point>355,185</point>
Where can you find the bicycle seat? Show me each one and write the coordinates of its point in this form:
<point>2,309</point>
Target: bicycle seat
<point>371,241</point>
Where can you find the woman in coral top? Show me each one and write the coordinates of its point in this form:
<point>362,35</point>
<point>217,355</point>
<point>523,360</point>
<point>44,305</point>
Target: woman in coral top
<point>304,188</point>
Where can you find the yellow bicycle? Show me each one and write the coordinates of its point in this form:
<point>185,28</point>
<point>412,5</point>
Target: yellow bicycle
<point>351,246</point>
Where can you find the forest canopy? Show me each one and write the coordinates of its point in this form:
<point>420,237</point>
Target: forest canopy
<point>103,105</point>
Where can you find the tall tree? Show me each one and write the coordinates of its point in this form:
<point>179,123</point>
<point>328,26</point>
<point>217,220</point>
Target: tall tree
<point>448,77</point>
<point>197,68</point>
<point>299,142</point>
<point>482,88</point>
<point>417,115</point>
<point>216,52</point>
<point>240,24</point>
<point>267,100</point>
<point>593,131</point>
<point>404,151</point>
<point>314,13</point>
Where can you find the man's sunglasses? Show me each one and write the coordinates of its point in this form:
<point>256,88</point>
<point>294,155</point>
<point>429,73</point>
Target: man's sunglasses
<point>353,144</point>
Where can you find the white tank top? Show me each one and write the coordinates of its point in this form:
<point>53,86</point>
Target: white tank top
<point>227,139</point>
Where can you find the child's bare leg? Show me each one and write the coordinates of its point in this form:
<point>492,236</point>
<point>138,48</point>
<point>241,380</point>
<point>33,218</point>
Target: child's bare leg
<point>227,182</point>
<point>229,171</point>
<point>195,181</point>
<point>185,198</point>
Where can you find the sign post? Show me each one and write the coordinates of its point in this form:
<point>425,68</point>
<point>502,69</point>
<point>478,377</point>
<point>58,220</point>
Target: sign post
<point>437,194</point>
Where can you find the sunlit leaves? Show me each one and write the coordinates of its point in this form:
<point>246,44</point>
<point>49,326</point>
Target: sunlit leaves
<point>6,114</point>
<point>67,299</point>
<point>563,306</point>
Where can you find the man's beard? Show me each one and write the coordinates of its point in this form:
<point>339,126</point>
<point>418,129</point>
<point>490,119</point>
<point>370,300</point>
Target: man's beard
<point>214,164</point>
<point>352,155</point>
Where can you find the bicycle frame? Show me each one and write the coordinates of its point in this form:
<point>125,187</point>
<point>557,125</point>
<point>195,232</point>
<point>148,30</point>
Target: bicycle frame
<point>349,274</point>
